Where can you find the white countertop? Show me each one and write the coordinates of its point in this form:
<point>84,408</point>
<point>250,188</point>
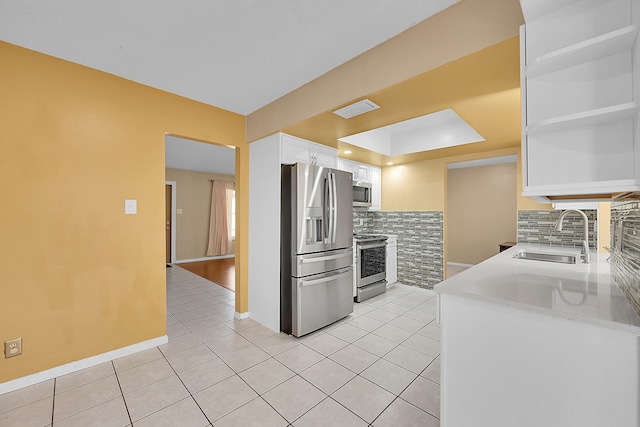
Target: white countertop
<point>579,292</point>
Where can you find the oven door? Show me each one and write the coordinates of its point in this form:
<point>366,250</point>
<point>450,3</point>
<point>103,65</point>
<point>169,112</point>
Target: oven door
<point>371,262</point>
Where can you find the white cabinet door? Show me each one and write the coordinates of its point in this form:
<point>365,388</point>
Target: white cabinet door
<point>376,188</point>
<point>361,172</point>
<point>294,150</point>
<point>324,156</point>
<point>579,98</point>
<point>392,259</point>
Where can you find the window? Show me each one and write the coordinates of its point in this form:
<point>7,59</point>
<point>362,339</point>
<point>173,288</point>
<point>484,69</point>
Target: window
<point>231,196</point>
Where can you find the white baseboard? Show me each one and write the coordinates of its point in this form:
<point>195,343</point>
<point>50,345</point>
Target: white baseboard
<point>459,264</point>
<point>241,316</point>
<point>180,261</point>
<point>68,368</point>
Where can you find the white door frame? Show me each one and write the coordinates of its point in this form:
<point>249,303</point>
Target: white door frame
<point>173,220</point>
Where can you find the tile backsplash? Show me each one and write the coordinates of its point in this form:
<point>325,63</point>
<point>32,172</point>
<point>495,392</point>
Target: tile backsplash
<point>420,242</point>
<point>625,247</point>
<point>538,226</point>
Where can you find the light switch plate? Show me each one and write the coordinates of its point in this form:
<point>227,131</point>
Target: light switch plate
<point>130,207</point>
<point>179,211</point>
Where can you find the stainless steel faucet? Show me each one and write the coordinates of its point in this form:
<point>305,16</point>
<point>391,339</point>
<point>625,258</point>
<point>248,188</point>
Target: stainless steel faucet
<point>585,242</point>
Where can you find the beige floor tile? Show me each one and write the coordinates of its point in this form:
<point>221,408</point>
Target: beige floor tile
<point>420,316</point>
<point>266,375</point>
<point>326,344</point>
<point>238,325</point>
<point>432,330</point>
<point>112,413</point>
<point>33,414</point>
<point>225,397</point>
<point>183,308</point>
<point>176,330</point>
<point>85,397</point>
<point>329,413</point>
<point>327,375</point>
<point>137,359</point>
<point>84,376</point>
<point>364,398</point>
<point>143,375</point>
<point>205,375</point>
<point>256,413</point>
<point>391,377</point>
<point>201,323</point>
<point>409,359</point>
<point>407,324</point>
<point>293,398</point>
<point>433,371</point>
<point>191,357</point>
<point>178,344</point>
<point>181,414</point>
<point>225,316</point>
<point>26,395</point>
<point>227,344</point>
<point>401,413</point>
<point>392,333</point>
<point>277,343</point>
<point>347,333</point>
<point>256,333</point>
<point>425,395</point>
<point>428,306</point>
<point>381,315</point>
<point>299,358</point>
<point>375,344</point>
<point>423,344</point>
<point>190,315</point>
<point>354,358</point>
<point>156,396</point>
<point>395,308</point>
<point>410,301</point>
<point>213,332</point>
<point>366,323</point>
<point>244,358</point>
<point>362,308</point>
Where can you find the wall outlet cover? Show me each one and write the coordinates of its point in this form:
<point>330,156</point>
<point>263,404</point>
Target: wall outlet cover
<point>130,207</point>
<point>12,348</point>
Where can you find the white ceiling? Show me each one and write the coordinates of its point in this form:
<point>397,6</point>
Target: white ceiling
<point>238,55</point>
<point>197,156</point>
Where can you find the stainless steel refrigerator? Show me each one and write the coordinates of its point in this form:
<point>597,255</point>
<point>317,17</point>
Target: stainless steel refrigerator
<point>316,271</point>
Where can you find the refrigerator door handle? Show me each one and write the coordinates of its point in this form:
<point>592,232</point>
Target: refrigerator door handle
<point>334,208</point>
<point>326,229</point>
<point>312,282</point>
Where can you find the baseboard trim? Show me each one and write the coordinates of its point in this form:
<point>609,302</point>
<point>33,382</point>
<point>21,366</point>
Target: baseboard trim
<point>459,264</point>
<point>68,368</point>
<point>241,316</point>
<point>209,258</point>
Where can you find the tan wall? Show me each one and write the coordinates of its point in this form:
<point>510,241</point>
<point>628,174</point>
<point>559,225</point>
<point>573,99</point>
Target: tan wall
<point>79,277</point>
<point>481,211</point>
<point>193,197</point>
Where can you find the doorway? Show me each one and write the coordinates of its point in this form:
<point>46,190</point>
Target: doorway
<point>481,210</point>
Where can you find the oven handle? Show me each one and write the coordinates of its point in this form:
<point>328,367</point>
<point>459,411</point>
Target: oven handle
<point>371,245</point>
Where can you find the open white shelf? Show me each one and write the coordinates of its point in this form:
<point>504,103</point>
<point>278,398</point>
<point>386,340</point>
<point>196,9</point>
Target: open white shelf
<point>585,118</point>
<point>535,9</point>
<point>588,50</point>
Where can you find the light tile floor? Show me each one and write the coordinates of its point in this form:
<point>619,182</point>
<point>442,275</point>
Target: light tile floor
<point>379,366</point>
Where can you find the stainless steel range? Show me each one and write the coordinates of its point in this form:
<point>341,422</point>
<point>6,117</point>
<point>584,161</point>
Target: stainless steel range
<point>371,269</point>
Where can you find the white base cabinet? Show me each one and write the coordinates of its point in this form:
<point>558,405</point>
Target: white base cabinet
<point>580,70</point>
<point>392,258</point>
<point>505,367</point>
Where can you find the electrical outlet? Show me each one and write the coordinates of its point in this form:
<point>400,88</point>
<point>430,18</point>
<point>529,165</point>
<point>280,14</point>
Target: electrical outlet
<point>12,348</point>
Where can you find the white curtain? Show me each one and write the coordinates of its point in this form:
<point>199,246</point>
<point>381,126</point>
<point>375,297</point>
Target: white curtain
<point>219,224</point>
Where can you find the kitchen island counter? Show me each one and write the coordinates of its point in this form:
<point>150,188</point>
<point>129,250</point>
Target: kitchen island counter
<point>532,343</point>
<point>580,292</point>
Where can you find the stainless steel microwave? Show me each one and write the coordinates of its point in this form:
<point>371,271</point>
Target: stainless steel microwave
<point>361,194</point>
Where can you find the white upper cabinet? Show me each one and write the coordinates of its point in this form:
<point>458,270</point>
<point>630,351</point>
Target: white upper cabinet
<point>361,172</point>
<point>580,70</point>
<point>376,188</point>
<point>294,150</point>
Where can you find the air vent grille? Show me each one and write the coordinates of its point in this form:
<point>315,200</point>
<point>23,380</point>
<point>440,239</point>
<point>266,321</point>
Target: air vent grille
<point>356,109</point>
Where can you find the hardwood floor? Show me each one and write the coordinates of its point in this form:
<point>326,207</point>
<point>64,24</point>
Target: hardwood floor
<point>219,271</point>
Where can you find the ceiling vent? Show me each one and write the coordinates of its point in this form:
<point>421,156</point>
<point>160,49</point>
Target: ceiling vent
<point>356,109</point>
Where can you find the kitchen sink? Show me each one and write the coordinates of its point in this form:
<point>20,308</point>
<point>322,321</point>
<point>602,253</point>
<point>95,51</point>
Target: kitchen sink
<point>545,256</point>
